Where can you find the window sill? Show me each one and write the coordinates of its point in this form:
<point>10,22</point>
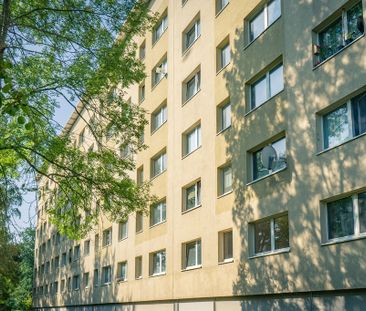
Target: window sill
<point>275,252</point>
<point>157,224</point>
<point>345,239</point>
<point>191,268</point>
<point>140,231</point>
<point>261,34</point>
<point>222,68</point>
<point>262,104</point>
<point>226,261</point>
<point>122,239</point>
<point>155,130</point>
<point>157,175</point>
<point>119,280</point>
<point>264,177</point>
<point>225,194</point>
<point>191,209</point>
<point>189,99</point>
<point>338,52</point>
<point>185,52</point>
<point>222,9</point>
<point>188,154</point>
<point>139,278</point>
<point>340,144</point>
<point>157,274</point>
<point>106,284</point>
<point>223,130</point>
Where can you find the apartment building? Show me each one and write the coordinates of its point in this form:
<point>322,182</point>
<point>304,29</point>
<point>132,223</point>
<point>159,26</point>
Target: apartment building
<point>257,153</point>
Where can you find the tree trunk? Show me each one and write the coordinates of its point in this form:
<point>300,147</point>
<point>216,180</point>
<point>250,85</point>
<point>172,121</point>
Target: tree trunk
<point>4,26</point>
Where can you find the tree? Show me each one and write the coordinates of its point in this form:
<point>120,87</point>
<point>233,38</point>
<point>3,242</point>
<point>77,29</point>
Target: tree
<point>80,51</point>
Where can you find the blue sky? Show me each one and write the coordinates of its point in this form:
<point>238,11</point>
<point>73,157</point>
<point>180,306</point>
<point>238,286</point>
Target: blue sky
<point>28,208</point>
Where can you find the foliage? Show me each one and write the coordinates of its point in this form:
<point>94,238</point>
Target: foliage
<point>74,51</point>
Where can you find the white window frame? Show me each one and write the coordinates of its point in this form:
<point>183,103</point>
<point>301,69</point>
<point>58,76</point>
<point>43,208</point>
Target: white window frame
<point>198,195</point>
<point>86,247</point>
<point>158,118</point>
<point>221,53</point>
<point>86,279</point>
<point>162,268</point>
<point>356,222</point>
<point>222,170</point>
<point>220,5</point>
<point>142,92</point>
<point>139,215</point>
<point>273,249</point>
<point>76,282</point>
<point>266,76</point>
<point>162,159</point>
<point>122,225</point>
<point>198,263</point>
<point>222,246</point>
<point>107,237</point>
<point>163,23</point>
<point>108,269</point>
<point>157,77</point>
<point>266,20</point>
<point>161,206</point>
<point>196,78</point>
<point>122,278</point>
<point>96,282</point>
<point>196,133</point>
<point>138,259</point>
<point>196,28</point>
<point>220,119</point>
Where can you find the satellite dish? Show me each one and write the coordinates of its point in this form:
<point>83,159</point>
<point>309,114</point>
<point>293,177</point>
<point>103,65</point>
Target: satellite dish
<point>269,157</point>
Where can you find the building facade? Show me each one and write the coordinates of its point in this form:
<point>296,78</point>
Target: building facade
<point>257,153</point>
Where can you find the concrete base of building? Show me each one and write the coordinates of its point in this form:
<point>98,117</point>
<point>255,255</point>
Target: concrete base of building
<point>353,300</point>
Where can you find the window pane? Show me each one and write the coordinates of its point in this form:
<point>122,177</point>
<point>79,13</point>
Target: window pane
<point>258,169</point>
<point>225,55</point>
<point>191,254</point>
<point>226,116</point>
<point>355,22</point>
<point>362,211</point>
<point>228,245</point>
<point>280,147</point>
<point>340,218</point>
<point>274,11</point>
<point>199,259</point>
<point>259,93</point>
<point>331,40</point>
<point>262,236</point>
<point>281,232</point>
<point>257,26</point>
<point>359,114</point>
<point>336,127</point>
<point>191,88</point>
<point>191,197</point>
<point>276,80</point>
<point>226,179</point>
<point>190,36</point>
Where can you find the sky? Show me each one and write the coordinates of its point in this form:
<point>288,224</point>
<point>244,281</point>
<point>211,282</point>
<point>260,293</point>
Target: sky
<point>28,207</point>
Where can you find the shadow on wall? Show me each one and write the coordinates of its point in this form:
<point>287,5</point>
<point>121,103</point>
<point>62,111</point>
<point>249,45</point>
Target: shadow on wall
<point>309,178</point>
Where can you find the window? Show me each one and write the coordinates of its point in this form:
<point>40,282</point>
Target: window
<point>96,277</point>
<point>345,122</point>
<point>57,261</point>
<point>122,230</point>
<point>192,196</point>
<point>342,31</point>
<point>122,271</point>
<point>96,241</point>
<point>271,234</point>
<point>192,86</point>
<point>266,87</point>
<point>125,151</point>
<point>86,280</point>
<point>158,213</point>
<point>159,72</point>
<point>226,246</point>
<point>141,93</point>
<point>276,163</point>
<point>139,221</point>
<point>223,55</point>
<point>346,217</point>
<point>157,263</point>
<point>76,282</point>
<point>225,179</point>
<point>77,252</point>
<point>224,117</point>
<point>107,237</point>
<point>63,260</point>
<point>138,267</point>
<point>160,28</point>
<point>62,285</point>
<point>220,5</point>
<point>140,175</point>
<point>81,137</point>
<point>265,18</point>
<point>142,50</point>
<point>192,254</point>
<point>191,34</point>
<point>159,164</point>
<point>107,275</point>
<point>158,118</point>
<point>86,247</point>
<point>192,140</point>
